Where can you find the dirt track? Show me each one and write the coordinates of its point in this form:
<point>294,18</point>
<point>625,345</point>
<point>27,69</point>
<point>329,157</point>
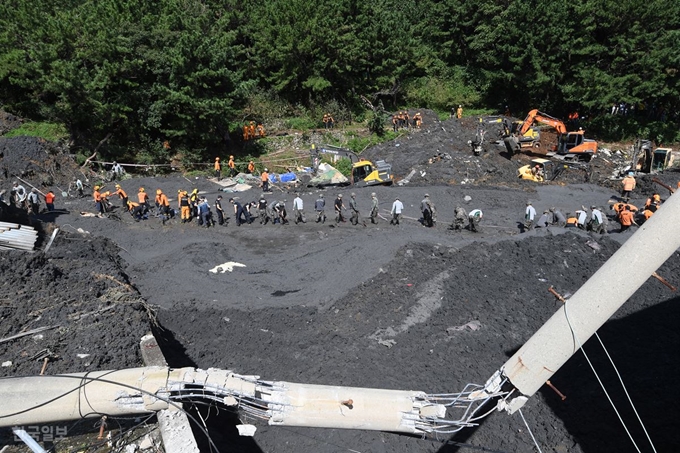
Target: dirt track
<point>313,301</point>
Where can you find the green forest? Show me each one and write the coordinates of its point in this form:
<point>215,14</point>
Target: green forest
<point>141,72</point>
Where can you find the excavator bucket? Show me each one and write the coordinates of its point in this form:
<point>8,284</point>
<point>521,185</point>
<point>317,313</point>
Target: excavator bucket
<point>512,145</point>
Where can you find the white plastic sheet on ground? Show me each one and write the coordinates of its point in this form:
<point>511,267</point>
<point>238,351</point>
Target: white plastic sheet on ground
<point>226,267</point>
<point>327,175</point>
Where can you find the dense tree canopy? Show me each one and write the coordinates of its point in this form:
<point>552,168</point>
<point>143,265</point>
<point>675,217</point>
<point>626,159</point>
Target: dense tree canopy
<point>183,70</point>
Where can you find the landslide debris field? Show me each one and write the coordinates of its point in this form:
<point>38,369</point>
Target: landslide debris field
<point>378,306</point>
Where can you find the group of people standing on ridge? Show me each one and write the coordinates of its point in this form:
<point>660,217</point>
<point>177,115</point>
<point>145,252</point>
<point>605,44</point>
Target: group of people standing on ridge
<point>402,120</point>
<point>251,132</point>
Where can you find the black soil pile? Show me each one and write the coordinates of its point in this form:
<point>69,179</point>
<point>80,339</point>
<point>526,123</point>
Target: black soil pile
<point>439,153</point>
<point>438,318</point>
<point>79,290</point>
<point>8,122</point>
<point>42,163</point>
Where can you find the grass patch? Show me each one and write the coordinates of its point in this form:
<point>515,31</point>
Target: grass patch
<point>301,123</point>
<point>49,131</point>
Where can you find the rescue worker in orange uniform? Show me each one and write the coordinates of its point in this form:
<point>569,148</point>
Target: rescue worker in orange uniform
<point>98,200</point>
<point>418,120</point>
<point>260,131</point>
<point>251,130</point>
<point>459,112</point>
<point>143,198</point>
<point>395,122</point>
<point>232,166</point>
<point>251,167</point>
<point>331,121</point>
<point>265,180</point>
<point>628,186</point>
<point>136,210</point>
<point>106,204</point>
<point>407,120</point>
<point>245,133</point>
<point>184,205</point>
<point>163,205</point>
<point>626,219</point>
<point>218,168</point>
<point>325,120</point>
<point>123,196</point>
<point>49,201</point>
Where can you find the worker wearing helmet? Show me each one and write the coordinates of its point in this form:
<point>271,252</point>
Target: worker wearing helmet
<point>265,180</point>
<point>98,199</point>
<point>143,198</point>
<point>354,209</point>
<point>320,208</point>
<point>251,167</point>
<point>232,166</point>
<point>136,210</point>
<point>427,208</point>
<point>459,112</point>
<point>193,202</point>
<point>628,186</point>
<point>184,205</point>
<point>218,168</point>
<point>374,208</point>
<point>338,205</point>
<point>122,195</point>
<point>163,205</point>
<point>260,131</point>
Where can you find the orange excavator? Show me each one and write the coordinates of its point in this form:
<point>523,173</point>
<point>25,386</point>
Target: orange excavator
<point>570,145</point>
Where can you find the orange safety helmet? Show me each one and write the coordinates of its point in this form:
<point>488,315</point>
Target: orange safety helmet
<point>217,158</point>
<point>117,186</point>
<point>141,189</point>
<point>159,191</point>
<point>95,187</point>
<point>231,157</point>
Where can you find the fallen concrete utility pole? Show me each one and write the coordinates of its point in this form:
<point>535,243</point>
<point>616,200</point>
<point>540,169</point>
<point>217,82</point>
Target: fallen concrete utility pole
<point>590,307</point>
<point>43,399</point>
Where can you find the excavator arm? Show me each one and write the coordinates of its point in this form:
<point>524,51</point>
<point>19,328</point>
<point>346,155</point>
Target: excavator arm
<point>534,116</point>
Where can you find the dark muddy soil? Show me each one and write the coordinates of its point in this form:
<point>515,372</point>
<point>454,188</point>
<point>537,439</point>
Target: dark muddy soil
<point>314,300</point>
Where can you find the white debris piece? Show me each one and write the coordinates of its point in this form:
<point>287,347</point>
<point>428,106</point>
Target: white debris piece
<point>226,267</point>
<point>246,430</point>
<point>6,364</point>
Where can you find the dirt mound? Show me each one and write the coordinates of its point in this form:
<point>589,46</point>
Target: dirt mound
<point>8,122</point>
<point>80,291</point>
<point>439,153</point>
<point>41,162</point>
<point>421,302</point>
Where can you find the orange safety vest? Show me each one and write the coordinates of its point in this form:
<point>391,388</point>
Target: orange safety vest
<point>626,218</point>
<point>142,197</point>
<point>265,176</point>
<point>121,193</point>
<point>218,166</point>
<point>97,196</point>
<point>49,197</point>
<point>251,167</point>
<point>231,164</point>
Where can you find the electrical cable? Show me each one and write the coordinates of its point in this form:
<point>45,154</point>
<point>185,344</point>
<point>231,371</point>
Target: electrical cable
<point>625,390</point>
<point>597,376</point>
<point>108,381</point>
<point>529,429</point>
